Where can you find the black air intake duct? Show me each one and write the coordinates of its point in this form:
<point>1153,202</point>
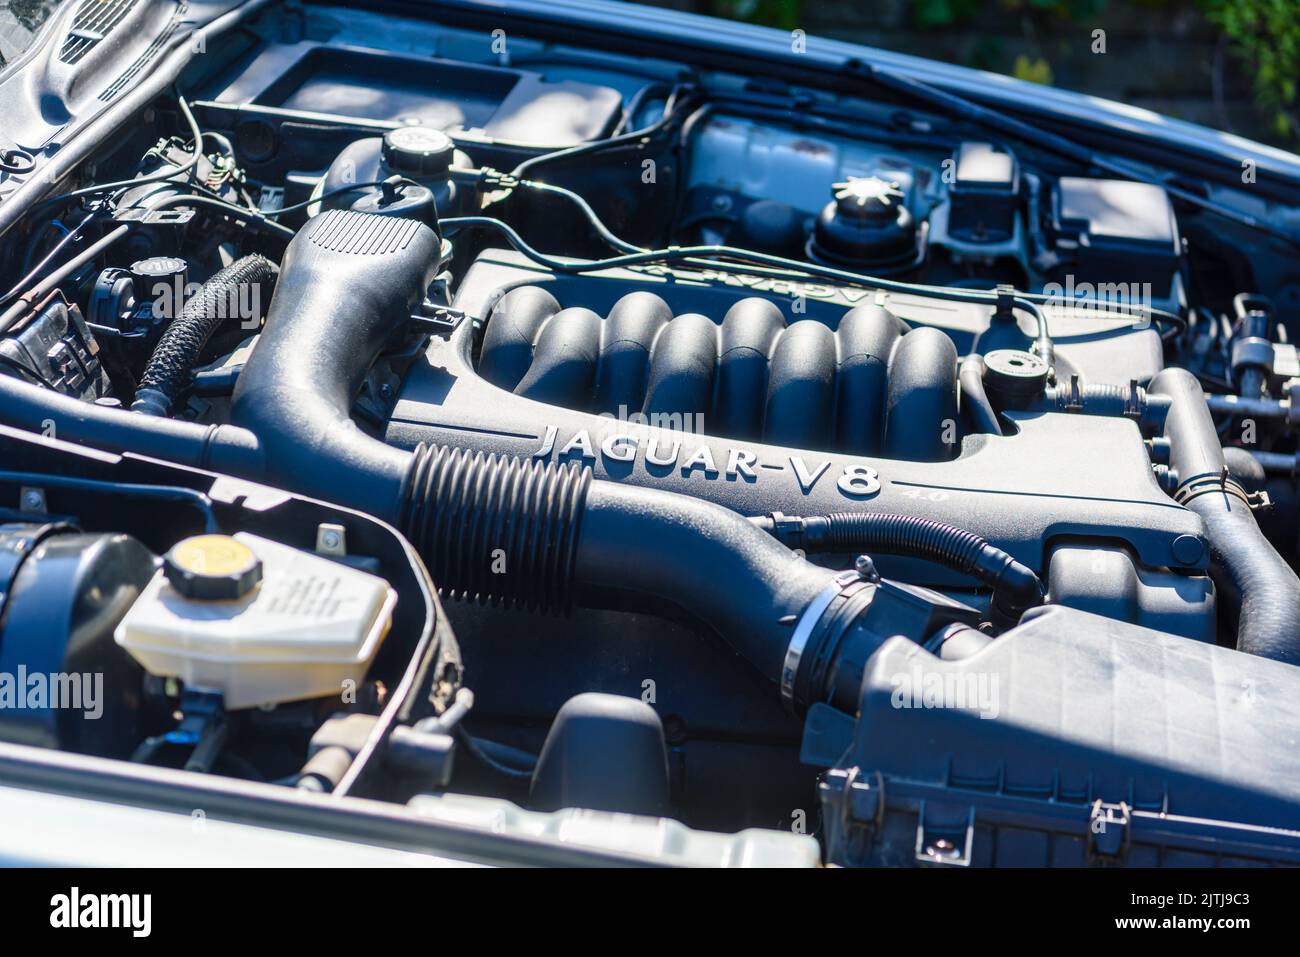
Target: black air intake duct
<point>491,528</point>
<point>499,531</point>
<point>348,285</point>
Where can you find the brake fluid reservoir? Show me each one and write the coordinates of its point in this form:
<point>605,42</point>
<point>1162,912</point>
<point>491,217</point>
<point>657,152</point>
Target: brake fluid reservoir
<point>258,621</point>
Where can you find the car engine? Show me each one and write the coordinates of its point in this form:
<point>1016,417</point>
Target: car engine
<point>516,430</point>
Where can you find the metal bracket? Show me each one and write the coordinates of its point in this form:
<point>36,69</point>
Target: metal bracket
<point>857,800</point>
<point>154,217</point>
<point>331,540</point>
<point>942,850</point>
<point>861,796</point>
<point>441,320</point>
<point>1075,402</point>
<point>1108,830</point>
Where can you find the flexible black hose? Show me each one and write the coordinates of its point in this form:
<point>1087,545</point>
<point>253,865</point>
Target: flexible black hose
<point>170,369</point>
<point>652,551</point>
<point>1016,588</point>
<point>348,284</point>
<point>219,448</point>
<point>974,400</point>
<point>541,536</point>
<point>1244,562</point>
<point>496,530</point>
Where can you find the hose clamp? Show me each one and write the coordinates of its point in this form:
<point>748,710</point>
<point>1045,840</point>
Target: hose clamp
<point>803,630</point>
<point>1200,485</point>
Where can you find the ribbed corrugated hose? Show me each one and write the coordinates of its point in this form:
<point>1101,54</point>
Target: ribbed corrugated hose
<point>170,369</point>
<point>498,530</point>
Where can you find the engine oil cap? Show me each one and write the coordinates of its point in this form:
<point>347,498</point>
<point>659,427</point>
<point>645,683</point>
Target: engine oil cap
<point>1014,376</point>
<point>158,277</point>
<point>212,568</point>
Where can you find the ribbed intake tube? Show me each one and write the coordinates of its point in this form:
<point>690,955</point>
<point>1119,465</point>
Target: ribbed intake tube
<point>1245,562</point>
<point>868,386</point>
<point>497,531</point>
<point>491,529</point>
<point>540,536</point>
<point>171,366</point>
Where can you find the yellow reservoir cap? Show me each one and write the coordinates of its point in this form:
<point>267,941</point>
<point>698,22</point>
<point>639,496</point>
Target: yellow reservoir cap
<point>212,568</point>
<point>309,630</point>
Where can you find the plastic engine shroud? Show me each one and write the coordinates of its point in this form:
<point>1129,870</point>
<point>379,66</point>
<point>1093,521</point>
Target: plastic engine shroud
<point>1060,478</point>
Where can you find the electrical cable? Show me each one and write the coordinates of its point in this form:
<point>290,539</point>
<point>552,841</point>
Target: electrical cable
<point>396,181</point>
<point>32,273</point>
<point>605,233</point>
<point>671,111</point>
<point>253,217</point>
<point>24,302</point>
<point>474,747</point>
<point>158,177</point>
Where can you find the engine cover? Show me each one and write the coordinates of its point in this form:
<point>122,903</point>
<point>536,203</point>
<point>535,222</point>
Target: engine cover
<point>1060,479</point>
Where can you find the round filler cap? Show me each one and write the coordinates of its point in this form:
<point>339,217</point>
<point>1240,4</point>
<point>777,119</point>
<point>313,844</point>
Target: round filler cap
<point>148,275</point>
<point>212,568</point>
<point>418,150</point>
<point>1014,375</point>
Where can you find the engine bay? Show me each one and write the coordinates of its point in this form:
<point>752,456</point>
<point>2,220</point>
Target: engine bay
<point>513,428</point>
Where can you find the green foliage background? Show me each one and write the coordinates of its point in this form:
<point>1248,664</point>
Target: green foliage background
<point>1266,37</point>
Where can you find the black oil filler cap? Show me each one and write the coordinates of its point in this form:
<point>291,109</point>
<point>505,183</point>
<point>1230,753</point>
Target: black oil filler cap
<point>160,277</point>
<point>1014,377</point>
<point>212,568</point>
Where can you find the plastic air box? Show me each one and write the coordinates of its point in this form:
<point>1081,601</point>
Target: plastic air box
<point>1070,740</point>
